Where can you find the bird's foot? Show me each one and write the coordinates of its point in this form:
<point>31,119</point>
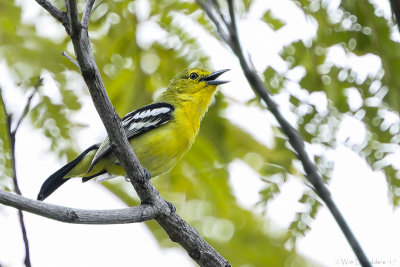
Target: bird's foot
<point>147,176</point>
<point>171,206</point>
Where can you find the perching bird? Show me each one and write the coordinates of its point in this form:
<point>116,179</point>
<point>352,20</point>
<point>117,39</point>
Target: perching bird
<point>159,133</point>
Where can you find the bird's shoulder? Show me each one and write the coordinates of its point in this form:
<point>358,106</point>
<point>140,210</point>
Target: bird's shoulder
<point>150,116</point>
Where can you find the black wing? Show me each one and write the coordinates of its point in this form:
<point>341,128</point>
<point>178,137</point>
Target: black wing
<point>138,122</point>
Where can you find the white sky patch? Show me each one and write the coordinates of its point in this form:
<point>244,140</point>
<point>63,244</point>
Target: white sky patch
<point>354,98</point>
<point>95,131</point>
<point>296,74</point>
<point>320,101</point>
<point>383,8</point>
<point>149,32</point>
<point>351,130</point>
<point>33,14</point>
<point>288,12</point>
<point>53,31</point>
<point>245,183</point>
<point>142,9</point>
<point>361,196</point>
<point>394,159</point>
<point>363,65</point>
<point>10,90</point>
<point>282,209</point>
<point>50,87</point>
<point>295,90</point>
<point>263,53</point>
<point>282,99</point>
<point>259,121</point>
<point>389,118</point>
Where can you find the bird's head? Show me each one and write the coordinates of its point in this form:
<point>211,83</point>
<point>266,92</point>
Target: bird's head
<point>195,81</point>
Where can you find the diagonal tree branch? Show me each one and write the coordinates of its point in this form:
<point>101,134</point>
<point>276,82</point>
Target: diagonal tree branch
<point>294,137</point>
<point>178,230</point>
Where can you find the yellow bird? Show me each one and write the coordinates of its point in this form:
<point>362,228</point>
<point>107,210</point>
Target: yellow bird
<point>159,133</point>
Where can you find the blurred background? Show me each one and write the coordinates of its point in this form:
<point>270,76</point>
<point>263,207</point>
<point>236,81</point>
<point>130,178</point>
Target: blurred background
<point>333,69</point>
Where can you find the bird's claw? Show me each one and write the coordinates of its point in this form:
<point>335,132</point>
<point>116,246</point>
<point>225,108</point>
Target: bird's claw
<point>171,206</point>
<point>147,175</point>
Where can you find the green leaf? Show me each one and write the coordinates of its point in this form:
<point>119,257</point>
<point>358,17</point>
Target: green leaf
<point>272,21</point>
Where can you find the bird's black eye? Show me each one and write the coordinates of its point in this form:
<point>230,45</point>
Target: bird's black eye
<point>193,76</point>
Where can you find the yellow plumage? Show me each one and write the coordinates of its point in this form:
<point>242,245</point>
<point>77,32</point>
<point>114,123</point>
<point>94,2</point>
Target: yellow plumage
<point>189,94</point>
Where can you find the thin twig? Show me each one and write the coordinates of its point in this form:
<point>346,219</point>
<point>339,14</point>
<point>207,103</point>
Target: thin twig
<point>11,135</point>
<point>136,214</point>
<point>221,15</point>
<point>294,137</point>
<point>65,54</point>
<point>221,30</point>
<point>27,260</point>
<point>86,13</point>
<point>24,113</point>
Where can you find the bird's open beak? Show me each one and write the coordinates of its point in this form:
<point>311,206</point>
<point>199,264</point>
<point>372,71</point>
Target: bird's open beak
<point>210,79</point>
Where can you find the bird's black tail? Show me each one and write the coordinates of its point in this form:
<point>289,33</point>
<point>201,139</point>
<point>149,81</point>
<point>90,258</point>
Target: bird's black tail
<point>57,179</point>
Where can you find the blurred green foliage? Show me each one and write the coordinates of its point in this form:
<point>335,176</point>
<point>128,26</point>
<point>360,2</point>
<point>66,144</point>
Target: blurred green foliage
<point>5,149</point>
<point>359,29</point>
<point>134,66</point>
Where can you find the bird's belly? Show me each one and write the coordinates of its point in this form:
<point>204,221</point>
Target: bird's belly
<point>157,150</point>
<point>162,148</point>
